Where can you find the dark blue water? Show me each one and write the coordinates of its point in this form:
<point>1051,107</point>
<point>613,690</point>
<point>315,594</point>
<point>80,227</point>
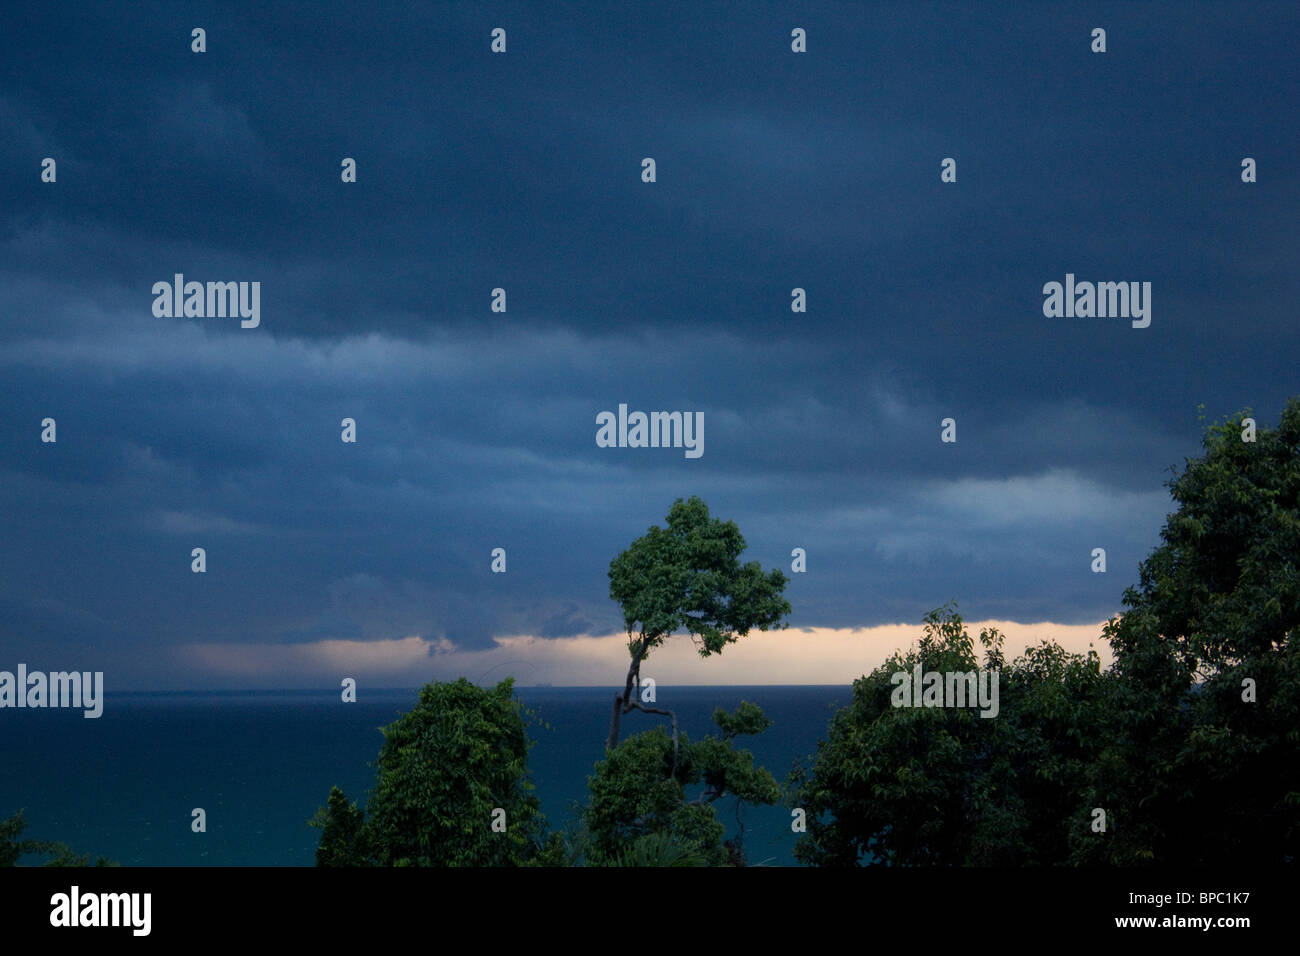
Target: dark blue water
<point>123,786</point>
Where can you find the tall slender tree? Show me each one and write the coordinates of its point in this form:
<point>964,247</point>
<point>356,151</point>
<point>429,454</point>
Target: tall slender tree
<point>688,576</point>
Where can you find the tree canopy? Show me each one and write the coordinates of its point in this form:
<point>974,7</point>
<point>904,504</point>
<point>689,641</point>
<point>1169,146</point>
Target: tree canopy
<point>1199,772</point>
<point>446,770</point>
<point>688,576</point>
<point>60,854</point>
<point>639,808</point>
<point>945,786</point>
<point>1189,743</point>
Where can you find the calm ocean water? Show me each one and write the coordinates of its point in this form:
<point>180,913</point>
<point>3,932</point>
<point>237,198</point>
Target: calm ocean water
<point>261,763</point>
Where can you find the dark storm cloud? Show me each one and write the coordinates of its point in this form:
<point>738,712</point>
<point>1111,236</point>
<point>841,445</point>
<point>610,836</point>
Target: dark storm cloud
<point>476,429</point>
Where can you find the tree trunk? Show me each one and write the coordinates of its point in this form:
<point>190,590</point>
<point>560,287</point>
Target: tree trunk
<point>621,704</point>
<point>612,741</point>
<point>626,703</point>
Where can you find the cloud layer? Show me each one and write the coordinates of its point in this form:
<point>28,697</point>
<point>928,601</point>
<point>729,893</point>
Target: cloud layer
<point>476,429</point>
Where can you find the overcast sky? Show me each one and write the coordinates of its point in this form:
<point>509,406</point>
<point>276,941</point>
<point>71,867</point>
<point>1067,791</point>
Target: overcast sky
<point>476,429</point>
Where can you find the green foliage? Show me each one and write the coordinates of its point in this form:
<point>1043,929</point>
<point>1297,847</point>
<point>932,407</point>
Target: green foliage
<point>689,576</point>
<point>12,848</point>
<point>1196,774</point>
<point>343,835</point>
<point>442,770</point>
<point>639,809</point>
<point>944,786</point>
<point>660,849</point>
<point>748,719</point>
<point>1187,771</point>
<point>555,852</point>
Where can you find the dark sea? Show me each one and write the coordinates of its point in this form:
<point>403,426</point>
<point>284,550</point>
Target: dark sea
<point>123,786</point>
